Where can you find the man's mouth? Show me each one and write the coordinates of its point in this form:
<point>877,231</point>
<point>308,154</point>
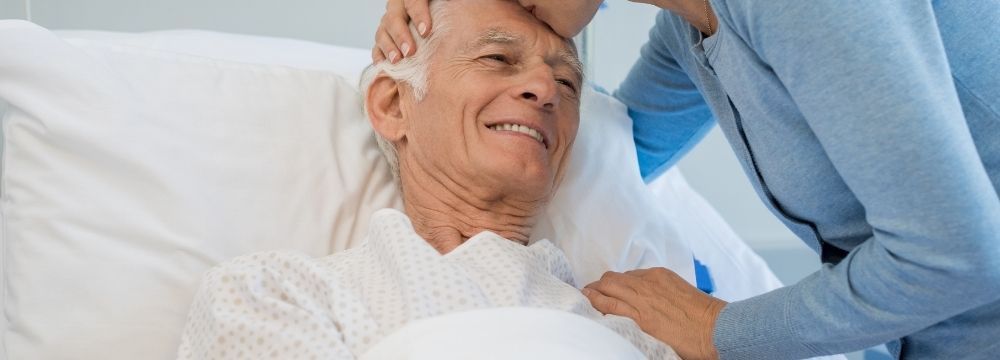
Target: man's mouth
<point>535,134</point>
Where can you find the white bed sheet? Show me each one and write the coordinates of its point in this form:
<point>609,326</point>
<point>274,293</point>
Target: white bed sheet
<point>504,333</point>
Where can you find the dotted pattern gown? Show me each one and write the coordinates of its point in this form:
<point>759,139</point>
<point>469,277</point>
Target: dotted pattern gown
<point>290,306</point>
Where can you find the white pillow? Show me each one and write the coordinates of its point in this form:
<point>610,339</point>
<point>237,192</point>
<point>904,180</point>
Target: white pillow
<point>130,169</point>
<point>344,61</point>
<point>128,172</point>
<point>603,216</point>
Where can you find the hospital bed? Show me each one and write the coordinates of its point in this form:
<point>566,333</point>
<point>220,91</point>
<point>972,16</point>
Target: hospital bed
<point>133,162</point>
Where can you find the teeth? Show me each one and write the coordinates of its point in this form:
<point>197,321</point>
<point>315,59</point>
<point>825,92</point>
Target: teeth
<point>519,128</point>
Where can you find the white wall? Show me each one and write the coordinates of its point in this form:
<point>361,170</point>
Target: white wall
<point>329,21</point>
<point>12,9</point>
<point>619,32</point>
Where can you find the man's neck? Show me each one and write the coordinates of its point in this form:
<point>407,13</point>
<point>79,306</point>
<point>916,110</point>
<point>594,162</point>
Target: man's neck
<point>446,218</point>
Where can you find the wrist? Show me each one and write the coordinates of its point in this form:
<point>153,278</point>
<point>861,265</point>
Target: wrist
<point>712,312</point>
<point>695,12</point>
<point>699,13</point>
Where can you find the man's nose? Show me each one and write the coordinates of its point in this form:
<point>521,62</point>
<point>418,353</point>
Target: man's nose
<point>539,87</point>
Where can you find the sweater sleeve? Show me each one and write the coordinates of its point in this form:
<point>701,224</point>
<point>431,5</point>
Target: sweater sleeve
<point>669,114</point>
<point>873,82</point>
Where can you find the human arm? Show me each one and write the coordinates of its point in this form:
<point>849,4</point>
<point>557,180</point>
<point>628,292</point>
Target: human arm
<point>669,113</point>
<point>873,83</point>
<point>698,13</point>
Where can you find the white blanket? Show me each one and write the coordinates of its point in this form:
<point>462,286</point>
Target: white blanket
<point>504,333</point>
<point>289,306</point>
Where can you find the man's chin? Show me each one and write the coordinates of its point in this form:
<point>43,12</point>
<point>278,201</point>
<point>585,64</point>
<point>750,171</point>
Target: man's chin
<point>532,181</point>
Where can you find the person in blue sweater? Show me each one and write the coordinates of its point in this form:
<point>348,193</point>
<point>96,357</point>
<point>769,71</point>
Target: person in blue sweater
<point>870,128</point>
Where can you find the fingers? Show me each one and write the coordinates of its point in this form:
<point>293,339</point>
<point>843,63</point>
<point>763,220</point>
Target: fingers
<point>609,305</point>
<point>393,40</point>
<point>614,293</point>
<point>385,46</point>
<point>395,24</point>
<point>616,285</point>
<point>420,14</point>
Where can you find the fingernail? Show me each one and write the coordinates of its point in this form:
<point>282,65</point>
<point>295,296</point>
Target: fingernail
<point>392,56</point>
<point>405,48</point>
<point>422,28</point>
<point>586,292</point>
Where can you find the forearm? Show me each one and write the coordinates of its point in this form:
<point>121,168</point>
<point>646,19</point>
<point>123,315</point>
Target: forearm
<point>698,13</point>
<point>668,111</point>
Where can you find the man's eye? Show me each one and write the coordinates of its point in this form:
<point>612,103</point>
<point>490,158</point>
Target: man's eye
<point>497,57</point>
<point>567,83</point>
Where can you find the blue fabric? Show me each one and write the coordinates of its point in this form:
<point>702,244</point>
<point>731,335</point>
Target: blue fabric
<point>703,278</point>
<point>872,130</point>
<point>662,144</point>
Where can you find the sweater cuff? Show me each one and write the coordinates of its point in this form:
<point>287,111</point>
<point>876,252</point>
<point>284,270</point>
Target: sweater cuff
<point>758,328</point>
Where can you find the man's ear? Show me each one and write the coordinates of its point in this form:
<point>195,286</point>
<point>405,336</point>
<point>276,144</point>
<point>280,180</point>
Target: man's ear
<point>384,108</point>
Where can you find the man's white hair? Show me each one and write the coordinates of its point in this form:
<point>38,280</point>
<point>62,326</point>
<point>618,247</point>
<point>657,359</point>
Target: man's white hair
<point>412,70</point>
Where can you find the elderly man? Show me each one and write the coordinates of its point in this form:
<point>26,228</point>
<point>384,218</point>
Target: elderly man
<point>477,130</point>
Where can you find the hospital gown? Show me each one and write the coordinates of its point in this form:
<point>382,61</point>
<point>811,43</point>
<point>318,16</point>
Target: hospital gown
<point>290,306</point>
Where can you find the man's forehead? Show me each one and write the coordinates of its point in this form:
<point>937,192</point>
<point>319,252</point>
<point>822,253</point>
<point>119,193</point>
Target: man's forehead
<point>501,36</point>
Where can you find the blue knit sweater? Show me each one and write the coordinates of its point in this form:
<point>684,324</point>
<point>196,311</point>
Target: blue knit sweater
<point>872,130</point>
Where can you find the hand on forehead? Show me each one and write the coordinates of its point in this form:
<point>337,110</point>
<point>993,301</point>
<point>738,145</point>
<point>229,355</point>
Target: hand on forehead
<point>504,24</point>
<point>394,40</point>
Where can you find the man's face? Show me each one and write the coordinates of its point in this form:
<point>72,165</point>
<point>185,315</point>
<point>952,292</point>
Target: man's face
<point>502,105</point>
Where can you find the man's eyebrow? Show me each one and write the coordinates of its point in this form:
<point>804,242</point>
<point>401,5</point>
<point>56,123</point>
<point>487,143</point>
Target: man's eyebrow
<point>573,61</point>
<point>495,36</point>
